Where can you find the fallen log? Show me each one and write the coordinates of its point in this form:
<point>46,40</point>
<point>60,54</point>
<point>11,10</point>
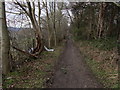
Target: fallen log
<point>26,53</point>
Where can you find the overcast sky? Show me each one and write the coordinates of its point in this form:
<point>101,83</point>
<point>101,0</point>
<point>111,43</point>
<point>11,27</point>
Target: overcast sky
<point>14,20</point>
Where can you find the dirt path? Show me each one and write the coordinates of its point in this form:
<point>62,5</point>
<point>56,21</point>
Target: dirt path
<point>72,72</point>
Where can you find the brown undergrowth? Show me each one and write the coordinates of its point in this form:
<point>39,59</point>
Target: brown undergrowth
<point>35,73</point>
<point>102,62</point>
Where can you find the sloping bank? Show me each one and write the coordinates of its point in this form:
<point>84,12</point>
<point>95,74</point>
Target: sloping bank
<point>101,56</point>
<point>34,73</point>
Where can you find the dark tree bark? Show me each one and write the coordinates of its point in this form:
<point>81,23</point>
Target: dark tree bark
<point>100,28</point>
<point>5,42</point>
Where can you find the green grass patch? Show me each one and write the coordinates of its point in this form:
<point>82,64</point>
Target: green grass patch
<point>102,68</point>
<point>101,74</point>
<point>95,67</point>
<point>102,44</point>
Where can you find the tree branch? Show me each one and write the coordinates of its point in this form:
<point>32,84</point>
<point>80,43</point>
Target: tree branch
<point>24,52</point>
<point>22,7</point>
<point>39,12</point>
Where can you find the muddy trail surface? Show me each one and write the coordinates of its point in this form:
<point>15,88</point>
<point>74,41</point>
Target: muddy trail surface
<point>72,71</point>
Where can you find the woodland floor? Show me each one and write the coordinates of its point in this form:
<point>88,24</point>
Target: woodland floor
<point>72,71</point>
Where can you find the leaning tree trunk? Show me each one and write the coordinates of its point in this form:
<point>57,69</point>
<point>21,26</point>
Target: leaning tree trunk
<point>5,44</point>
<point>36,27</point>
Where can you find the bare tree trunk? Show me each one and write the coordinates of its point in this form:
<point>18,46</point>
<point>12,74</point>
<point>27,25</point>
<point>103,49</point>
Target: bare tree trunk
<point>100,27</point>
<point>118,49</point>
<point>48,25</point>
<point>54,25</point>
<point>118,37</point>
<point>36,24</point>
<point>90,24</point>
<point>49,41</point>
<point>36,27</point>
<point>5,47</point>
